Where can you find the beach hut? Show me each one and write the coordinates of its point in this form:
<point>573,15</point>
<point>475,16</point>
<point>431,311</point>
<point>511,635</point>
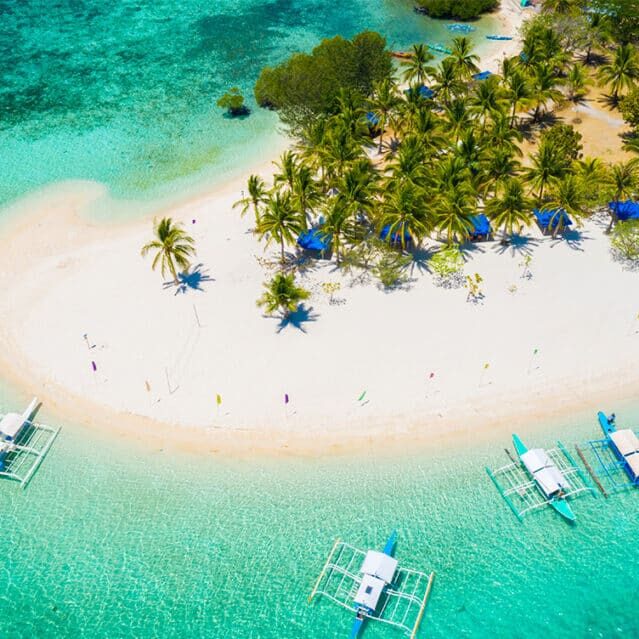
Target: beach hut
<point>551,220</point>
<point>394,238</point>
<point>481,228</point>
<point>315,241</point>
<point>627,210</point>
<point>484,75</point>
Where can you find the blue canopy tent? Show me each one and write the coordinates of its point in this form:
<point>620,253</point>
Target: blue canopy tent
<point>481,228</point>
<point>549,219</point>
<point>315,240</point>
<point>395,238</point>
<point>372,120</point>
<point>627,210</point>
<point>484,75</point>
<point>425,92</point>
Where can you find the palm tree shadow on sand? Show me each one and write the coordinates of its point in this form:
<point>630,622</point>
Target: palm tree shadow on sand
<point>517,245</point>
<point>190,280</point>
<point>298,319</point>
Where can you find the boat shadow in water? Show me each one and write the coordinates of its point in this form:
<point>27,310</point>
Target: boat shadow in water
<point>298,319</point>
<point>190,280</point>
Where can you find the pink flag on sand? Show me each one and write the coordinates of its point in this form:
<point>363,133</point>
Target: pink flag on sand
<point>431,376</point>
<point>286,398</point>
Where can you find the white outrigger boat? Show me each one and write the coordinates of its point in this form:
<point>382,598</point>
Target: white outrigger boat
<point>23,444</point>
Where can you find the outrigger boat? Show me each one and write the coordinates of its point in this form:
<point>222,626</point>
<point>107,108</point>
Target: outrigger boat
<point>402,55</point>
<point>498,37</point>
<point>371,583</point>
<point>377,571</point>
<point>625,445</point>
<point>460,28</point>
<point>549,480</point>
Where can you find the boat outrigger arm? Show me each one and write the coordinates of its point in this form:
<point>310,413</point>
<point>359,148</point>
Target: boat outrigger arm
<point>371,584</point>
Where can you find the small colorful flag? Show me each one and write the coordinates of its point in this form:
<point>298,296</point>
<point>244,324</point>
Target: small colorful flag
<point>361,397</point>
<point>535,351</point>
<point>148,386</point>
<point>218,399</point>
<point>95,368</point>
<point>486,365</point>
<point>431,376</point>
<point>286,398</point>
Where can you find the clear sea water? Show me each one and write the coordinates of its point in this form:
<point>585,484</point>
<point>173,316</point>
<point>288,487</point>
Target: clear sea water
<point>113,541</point>
<point>124,92</point>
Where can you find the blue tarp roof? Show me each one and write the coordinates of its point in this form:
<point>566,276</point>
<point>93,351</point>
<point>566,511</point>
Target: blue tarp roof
<point>395,237</point>
<point>372,119</point>
<point>627,210</point>
<point>546,215</point>
<point>481,225</point>
<point>424,91</point>
<point>484,75</point>
<point>314,240</point>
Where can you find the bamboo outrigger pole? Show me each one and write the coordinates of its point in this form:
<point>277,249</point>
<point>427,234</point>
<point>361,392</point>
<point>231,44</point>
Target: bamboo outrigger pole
<point>317,583</point>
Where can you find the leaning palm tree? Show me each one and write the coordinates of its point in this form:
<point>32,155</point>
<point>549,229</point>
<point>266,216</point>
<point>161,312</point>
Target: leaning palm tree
<point>622,181</point>
<point>416,67</point>
<point>383,105</point>
<point>173,245</point>
<point>283,295</point>
<point>287,169</point>
<point>464,59</point>
<point>257,195</point>
<point>622,72</point>
<point>510,209</point>
<point>281,221</point>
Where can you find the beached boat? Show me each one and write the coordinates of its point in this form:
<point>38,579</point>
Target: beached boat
<point>23,444</point>
<point>372,584</point>
<point>498,37</point>
<point>402,55</point>
<point>625,445</point>
<point>550,481</point>
<point>440,48</point>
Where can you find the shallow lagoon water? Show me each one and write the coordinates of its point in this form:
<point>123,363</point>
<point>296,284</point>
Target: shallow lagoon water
<point>113,541</point>
<point>124,92</point>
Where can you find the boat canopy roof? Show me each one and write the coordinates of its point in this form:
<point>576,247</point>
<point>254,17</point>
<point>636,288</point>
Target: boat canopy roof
<point>626,441</point>
<point>12,423</point>
<point>546,474</point>
<point>380,565</point>
<point>369,592</point>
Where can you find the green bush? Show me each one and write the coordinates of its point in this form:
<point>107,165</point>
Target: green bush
<point>306,85</point>
<point>625,240</point>
<point>457,9</point>
<point>390,269</point>
<point>233,102</point>
<point>565,139</point>
<point>447,263</point>
<point>629,107</point>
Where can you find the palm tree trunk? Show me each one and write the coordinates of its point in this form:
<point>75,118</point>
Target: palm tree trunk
<point>169,259</point>
<point>282,249</point>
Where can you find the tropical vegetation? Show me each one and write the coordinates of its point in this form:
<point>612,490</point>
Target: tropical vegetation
<point>173,248</point>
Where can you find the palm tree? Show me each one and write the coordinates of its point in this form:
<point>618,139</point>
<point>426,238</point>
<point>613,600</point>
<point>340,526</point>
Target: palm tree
<point>257,195</point>
<point>416,68</point>
<point>566,195</point>
<point>464,59</point>
<point>622,181</point>
<point>305,193</point>
<point>403,211</point>
<point>383,104</point>
<point>283,295</point>
<point>281,221</point>
<point>409,163</point>
<point>622,72</point>
<point>455,208</point>
<point>340,151</point>
<point>500,165</point>
<point>546,166</point>
<point>487,99</point>
<point>577,82</point>
<point>598,33</point>
<point>287,170</point>
<point>173,245</point>
<point>447,82</point>
<point>358,187</point>
<point>518,92</point>
<point>510,209</point>
<point>457,116</point>
<point>544,88</point>
<point>337,222</point>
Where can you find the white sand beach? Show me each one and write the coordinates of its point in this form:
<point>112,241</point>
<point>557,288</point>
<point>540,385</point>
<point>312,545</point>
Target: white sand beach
<point>369,366</point>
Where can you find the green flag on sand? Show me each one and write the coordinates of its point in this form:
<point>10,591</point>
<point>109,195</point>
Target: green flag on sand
<point>361,397</point>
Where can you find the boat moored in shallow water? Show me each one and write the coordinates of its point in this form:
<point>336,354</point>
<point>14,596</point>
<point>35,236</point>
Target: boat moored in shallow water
<point>625,445</point>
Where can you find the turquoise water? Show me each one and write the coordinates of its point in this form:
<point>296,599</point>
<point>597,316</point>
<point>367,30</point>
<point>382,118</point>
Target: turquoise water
<point>113,542</point>
<point>124,92</point>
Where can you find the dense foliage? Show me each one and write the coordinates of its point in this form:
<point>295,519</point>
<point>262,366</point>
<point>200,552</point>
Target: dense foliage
<point>306,85</point>
<point>380,163</point>
<point>457,9</point>
<point>233,102</point>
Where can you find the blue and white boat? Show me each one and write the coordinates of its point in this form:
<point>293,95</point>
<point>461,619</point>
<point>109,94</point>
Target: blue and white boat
<point>498,37</point>
<point>549,480</point>
<point>624,444</point>
<point>460,28</point>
